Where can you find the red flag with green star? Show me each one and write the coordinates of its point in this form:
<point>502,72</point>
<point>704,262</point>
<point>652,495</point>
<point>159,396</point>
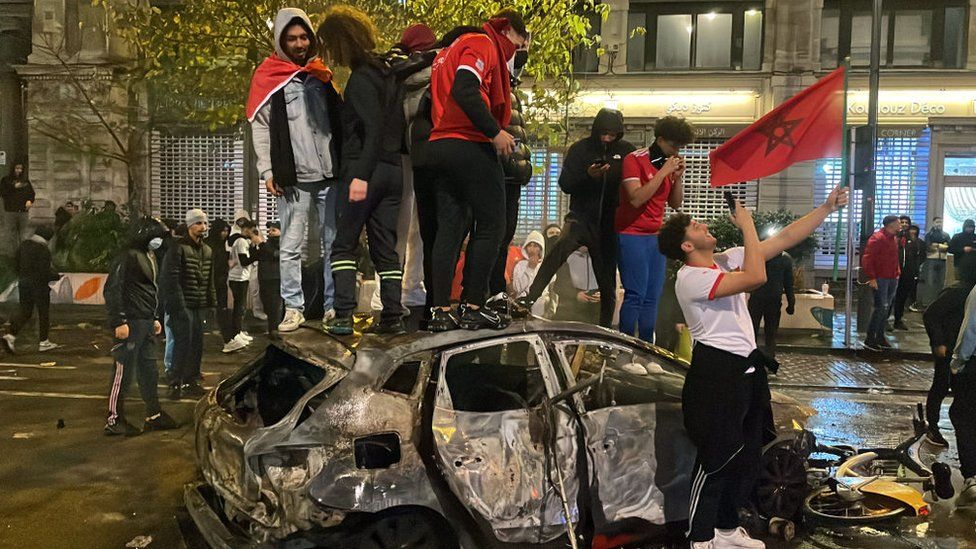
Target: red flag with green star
<point>805,127</point>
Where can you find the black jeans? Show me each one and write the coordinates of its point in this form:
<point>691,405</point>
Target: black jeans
<point>223,312</point>
<point>602,246</point>
<point>470,179</point>
<point>270,291</point>
<point>32,296</point>
<point>963,416</point>
<point>188,345</point>
<point>135,355</point>
<point>497,284</point>
<point>378,213</point>
<point>769,308</point>
<point>425,193</point>
<point>725,413</point>
<point>239,290</point>
<point>941,381</point>
<point>905,292</point>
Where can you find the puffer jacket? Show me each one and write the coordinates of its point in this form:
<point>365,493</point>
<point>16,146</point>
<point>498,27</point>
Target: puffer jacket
<point>518,166</point>
<point>187,277</point>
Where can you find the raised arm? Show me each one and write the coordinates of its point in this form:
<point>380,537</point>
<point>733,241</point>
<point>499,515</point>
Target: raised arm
<point>753,272</point>
<point>795,232</point>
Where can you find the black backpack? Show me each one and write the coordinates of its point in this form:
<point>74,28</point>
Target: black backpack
<point>396,66</point>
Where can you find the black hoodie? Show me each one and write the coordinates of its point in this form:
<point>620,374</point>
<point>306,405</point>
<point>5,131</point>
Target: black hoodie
<point>130,290</point>
<point>586,194</point>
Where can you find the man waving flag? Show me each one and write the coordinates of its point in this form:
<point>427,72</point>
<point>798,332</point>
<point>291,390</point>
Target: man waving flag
<point>806,127</point>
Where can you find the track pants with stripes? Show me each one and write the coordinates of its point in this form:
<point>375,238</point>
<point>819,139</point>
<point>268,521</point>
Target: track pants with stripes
<point>378,213</point>
<point>725,403</point>
<point>135,356</point>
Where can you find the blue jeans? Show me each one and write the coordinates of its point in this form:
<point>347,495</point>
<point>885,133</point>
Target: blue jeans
<point>642,275</point>
<point>168,353</point>
<point>883,297</point>
<point>293,210</point>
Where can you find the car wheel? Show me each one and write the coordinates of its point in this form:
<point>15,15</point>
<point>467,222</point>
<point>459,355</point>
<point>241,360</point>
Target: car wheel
<point>407,529</point>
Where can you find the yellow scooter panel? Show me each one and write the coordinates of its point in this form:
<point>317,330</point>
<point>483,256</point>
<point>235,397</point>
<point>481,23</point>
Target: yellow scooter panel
<point>905,495</point>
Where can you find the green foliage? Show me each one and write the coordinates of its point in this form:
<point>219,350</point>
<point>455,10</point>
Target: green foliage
<point>90,240</point>
<point>728,235</point>
<point>199,56</point>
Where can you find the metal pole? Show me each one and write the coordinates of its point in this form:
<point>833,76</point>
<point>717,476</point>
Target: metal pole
<point>867,207</point>
<point>845,181</point>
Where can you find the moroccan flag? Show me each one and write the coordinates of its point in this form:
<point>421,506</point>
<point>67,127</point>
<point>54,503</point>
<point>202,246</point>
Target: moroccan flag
<point>806,127</point>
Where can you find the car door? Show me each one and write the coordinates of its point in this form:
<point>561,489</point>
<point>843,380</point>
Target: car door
<point>502,458</point>
<point>640,457</point>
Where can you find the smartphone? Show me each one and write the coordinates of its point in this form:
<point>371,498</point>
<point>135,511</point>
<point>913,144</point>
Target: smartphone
<point>600,162</point>
<point>730,201</point>
<point>659,162</point>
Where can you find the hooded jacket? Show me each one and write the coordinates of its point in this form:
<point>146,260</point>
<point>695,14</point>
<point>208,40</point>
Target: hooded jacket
<point>964,262</point>
<point>130,289</point>
<point>372,129</point>
<point>221,255</point>
<point>319,127</point>
<point>33,262</point>
<point>523,275</point>
<point>15,198</point>
<point>591,200</point>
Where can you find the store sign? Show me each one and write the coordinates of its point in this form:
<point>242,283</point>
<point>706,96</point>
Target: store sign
<point>911,105</point>
<point>716,107</point>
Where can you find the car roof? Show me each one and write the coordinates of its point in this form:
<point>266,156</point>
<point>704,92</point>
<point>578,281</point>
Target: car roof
<point>314,344</point>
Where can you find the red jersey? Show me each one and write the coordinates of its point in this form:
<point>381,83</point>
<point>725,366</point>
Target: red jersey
<point>474,52</point>
<point>648,218</point>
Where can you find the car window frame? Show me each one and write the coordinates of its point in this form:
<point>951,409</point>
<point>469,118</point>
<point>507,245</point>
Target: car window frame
<point>426,359</point>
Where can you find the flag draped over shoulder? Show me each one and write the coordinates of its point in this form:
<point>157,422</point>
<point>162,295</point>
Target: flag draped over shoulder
<point>273,73</point>
<point>805,127</point>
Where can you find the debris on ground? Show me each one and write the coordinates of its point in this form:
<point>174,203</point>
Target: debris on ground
<point>24,435</point>
<point>60,423</point>
<point>139,542</point>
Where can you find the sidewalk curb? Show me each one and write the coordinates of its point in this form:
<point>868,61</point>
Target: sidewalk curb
<point>857,353</point>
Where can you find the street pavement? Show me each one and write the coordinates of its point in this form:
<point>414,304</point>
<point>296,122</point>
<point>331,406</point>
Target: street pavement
<point>70,486</point>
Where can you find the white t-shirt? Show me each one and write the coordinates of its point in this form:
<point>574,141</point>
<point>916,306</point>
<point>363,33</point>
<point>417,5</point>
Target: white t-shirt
<point>238,272</point>
<point>724,322</point>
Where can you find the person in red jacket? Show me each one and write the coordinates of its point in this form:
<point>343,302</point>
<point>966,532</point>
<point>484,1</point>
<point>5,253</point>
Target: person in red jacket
<point>879,263</point>
<point>470,87</point>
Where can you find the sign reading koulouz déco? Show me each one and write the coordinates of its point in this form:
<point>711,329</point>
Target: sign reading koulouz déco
<point>912,105</point>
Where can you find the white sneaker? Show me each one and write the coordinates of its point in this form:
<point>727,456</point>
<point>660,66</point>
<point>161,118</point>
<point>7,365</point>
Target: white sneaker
<point>235,344</point>
<point>293,319</point>
<point>702,545</point>
<point>735,539</point>
<point>329,315</point>
<point>247,337</point>
<point>8,342</point>
<point>46,345</point>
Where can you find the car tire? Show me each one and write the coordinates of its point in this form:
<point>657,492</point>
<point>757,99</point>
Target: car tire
<point>407,529</point>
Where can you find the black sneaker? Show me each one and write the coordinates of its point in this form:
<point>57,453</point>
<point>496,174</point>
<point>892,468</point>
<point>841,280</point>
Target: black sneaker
<point>934,437</point>
<point>120,427</point>
<point>522,308</point>
<point>340,325</point>
<point>388,327</point>
<point>499,304</point>
<point>193,390</point>
<point>160,422</point>
<point>442,321</point>
<point>884,344</point>
<point>476,319</point>
<point>900,325</point>
<point>871,344</point>
<point>175,393</point>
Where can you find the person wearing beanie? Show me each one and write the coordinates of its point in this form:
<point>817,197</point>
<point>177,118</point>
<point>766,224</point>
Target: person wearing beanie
<point>187,289</point>
<point>963,250</point>
<point>134,316</point>
<point>266,253</point>
<point>295,114</point>
<point>35,272</point>
<point>879,264</point>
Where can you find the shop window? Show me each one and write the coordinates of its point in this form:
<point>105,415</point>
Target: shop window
<point>959,165</point>
<point>933,35</point>
<point>902,168</point>
<point>958,205</point>
<point>693,35</point>
<point>585,58</point>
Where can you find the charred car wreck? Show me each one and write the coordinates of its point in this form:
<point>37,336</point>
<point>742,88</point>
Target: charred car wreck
<point>543,434</point>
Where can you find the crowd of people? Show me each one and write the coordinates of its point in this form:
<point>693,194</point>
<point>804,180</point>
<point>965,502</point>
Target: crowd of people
<point>425,152</point>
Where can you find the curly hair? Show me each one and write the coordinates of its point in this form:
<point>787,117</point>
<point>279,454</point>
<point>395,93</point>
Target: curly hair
<point>347,36</point>
<point>674,129</point>
<point>672,234</point>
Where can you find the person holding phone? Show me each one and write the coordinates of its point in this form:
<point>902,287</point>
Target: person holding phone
<point>725,400</point>
<point>651,180</point>
<point>591,178</point>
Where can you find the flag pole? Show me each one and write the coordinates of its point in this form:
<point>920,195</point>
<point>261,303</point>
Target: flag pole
<point>848,212</point>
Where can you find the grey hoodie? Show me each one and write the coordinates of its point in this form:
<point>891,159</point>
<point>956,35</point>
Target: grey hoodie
<point>308,117</point>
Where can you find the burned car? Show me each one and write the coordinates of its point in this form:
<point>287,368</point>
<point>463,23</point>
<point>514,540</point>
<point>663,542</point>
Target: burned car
<point>542,434</point>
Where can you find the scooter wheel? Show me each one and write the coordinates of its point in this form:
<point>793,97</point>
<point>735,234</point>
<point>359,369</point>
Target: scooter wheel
<point>782,528</point>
